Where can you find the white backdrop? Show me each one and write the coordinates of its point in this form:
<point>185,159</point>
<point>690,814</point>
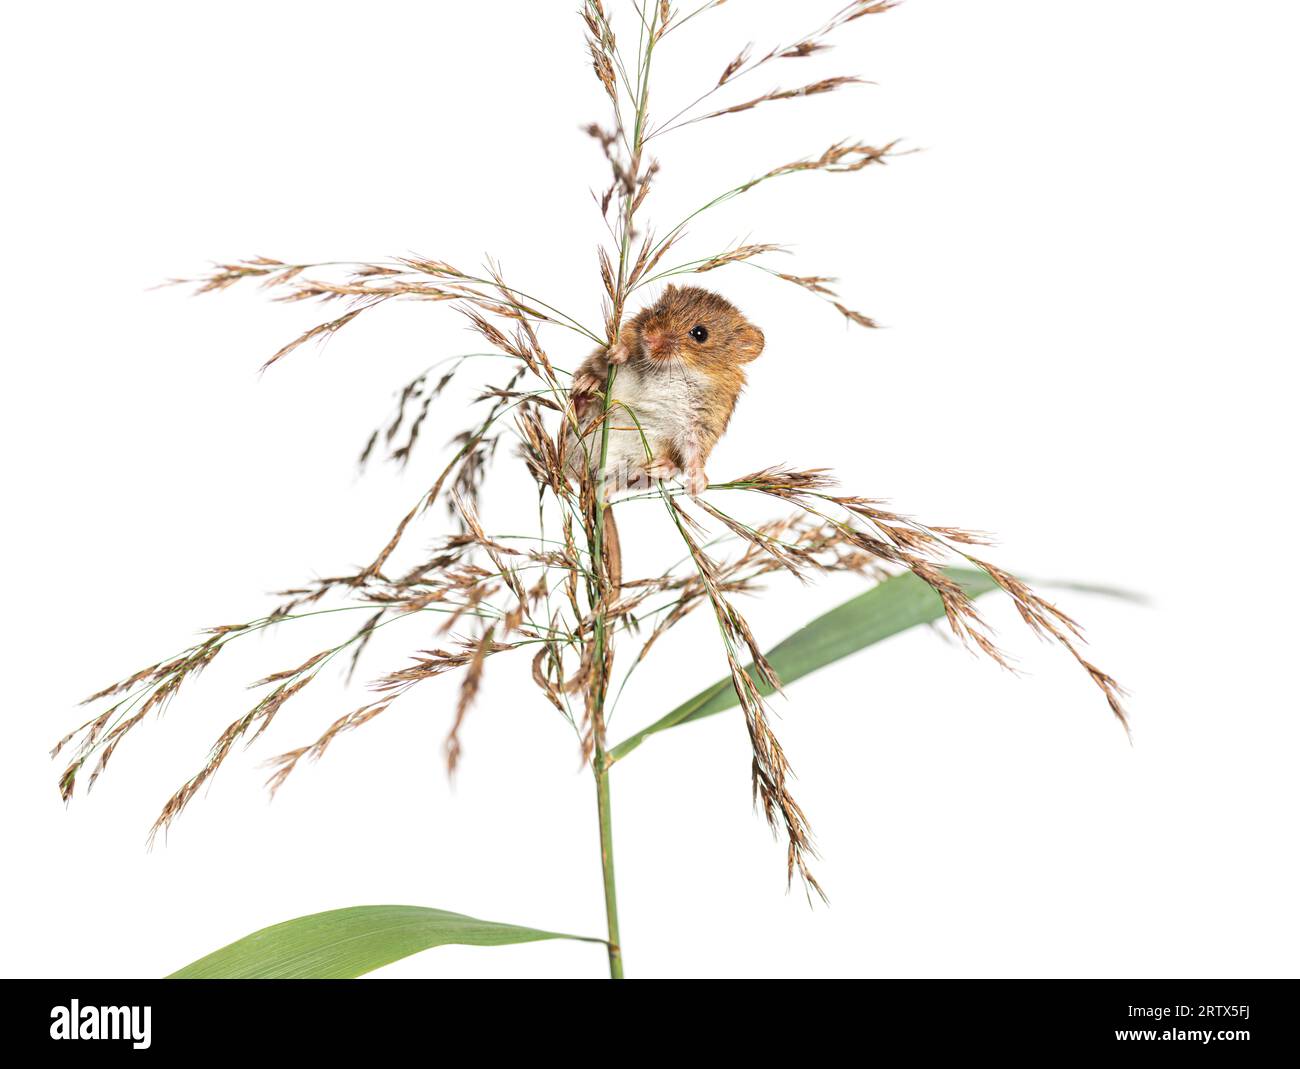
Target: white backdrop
<point>1088,280</point>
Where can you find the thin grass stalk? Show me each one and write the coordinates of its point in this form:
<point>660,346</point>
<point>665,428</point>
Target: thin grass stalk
<point>600,687</point>
<point>604,595</point>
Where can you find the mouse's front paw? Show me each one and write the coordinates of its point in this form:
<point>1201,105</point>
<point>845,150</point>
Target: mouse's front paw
<point>618,353</point>
<point>585,382</point>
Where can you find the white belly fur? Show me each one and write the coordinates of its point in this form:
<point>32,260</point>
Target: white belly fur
<point>663,402</point>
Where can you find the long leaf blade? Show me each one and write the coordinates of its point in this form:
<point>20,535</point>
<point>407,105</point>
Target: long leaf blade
<point>345,943</point>
<point>894,605</point>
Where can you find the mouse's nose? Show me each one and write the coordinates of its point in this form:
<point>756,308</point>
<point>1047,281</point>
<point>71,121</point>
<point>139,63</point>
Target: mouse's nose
<point>658,343</point>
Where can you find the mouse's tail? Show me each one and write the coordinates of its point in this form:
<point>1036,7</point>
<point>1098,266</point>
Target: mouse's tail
<point>613,554</point>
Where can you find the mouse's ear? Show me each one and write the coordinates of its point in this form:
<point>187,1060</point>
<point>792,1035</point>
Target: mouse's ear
<point>749,342</point>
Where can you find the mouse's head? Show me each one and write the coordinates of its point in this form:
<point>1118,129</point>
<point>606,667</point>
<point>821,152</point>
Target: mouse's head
<point>696,326</point>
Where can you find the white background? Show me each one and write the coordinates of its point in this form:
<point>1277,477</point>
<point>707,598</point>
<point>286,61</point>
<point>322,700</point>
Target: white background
<point>1088,279</point>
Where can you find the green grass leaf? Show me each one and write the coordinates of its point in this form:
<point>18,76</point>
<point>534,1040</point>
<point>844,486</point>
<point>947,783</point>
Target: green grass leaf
<point>898,603</point>
<point>344,943</point>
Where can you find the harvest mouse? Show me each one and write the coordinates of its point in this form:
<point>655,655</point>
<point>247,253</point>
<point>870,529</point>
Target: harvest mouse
<point>680,371</point>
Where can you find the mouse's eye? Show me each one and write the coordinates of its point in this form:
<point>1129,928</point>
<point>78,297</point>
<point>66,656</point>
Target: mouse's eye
<point>699,334</point>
